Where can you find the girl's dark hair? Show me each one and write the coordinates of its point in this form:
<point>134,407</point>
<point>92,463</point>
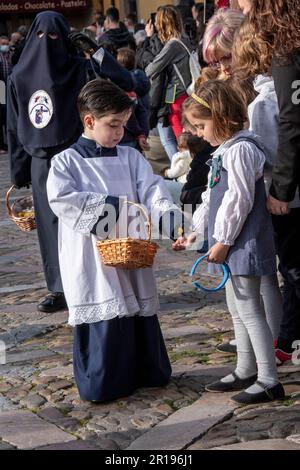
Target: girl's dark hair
<point>227,108</point>
<point>244,86</point>
<point>101,97</point>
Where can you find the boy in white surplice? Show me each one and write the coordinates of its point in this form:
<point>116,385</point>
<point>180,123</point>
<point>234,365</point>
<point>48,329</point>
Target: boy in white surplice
<point>118,345</point>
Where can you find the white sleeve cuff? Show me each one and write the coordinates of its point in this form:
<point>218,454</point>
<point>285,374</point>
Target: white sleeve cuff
<point>223,240</point>
<point>99,55</point>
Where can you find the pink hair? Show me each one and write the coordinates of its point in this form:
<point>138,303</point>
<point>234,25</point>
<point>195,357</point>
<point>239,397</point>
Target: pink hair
<point>219,33</point>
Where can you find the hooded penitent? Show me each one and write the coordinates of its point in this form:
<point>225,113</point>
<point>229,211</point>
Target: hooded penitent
<point>47,80</point>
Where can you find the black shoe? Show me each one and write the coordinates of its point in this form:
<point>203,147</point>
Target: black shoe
<point>53,302</point>
<point>237,384</point>
<point>227,348</point>
<point>275,392</point>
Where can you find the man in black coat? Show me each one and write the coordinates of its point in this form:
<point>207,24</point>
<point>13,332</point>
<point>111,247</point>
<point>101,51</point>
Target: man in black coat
<point>120,37</point>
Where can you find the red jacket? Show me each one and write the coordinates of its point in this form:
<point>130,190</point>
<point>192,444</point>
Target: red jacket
<point>223,4</point>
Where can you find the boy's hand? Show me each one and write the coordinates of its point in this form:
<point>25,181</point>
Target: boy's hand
<point>182,243</point>
<point>218,253</point>
<point>166,172</point>
<point>143,143</point>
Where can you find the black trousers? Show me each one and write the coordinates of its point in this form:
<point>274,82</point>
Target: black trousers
<point>287,236</point>
<point>2,126</point>
<point>47,223</point>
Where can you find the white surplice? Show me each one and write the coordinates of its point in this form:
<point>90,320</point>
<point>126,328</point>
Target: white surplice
<point>77,188</point>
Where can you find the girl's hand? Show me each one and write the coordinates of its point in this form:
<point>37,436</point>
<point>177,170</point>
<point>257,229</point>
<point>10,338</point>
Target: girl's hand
<point>182,243</point>
<point>218,253</point>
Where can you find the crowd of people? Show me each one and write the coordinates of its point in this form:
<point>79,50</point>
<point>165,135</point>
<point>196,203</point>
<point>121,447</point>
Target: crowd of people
<point>217,85</point>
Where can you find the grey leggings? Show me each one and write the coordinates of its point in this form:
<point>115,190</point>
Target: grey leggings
<point>255,347</point>
<point>272,302</point>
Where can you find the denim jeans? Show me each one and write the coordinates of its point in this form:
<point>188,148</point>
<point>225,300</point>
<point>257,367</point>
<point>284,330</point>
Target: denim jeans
<point>175,190</point>
<point>167,139</point>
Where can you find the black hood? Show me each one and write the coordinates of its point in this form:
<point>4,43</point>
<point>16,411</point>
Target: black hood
<point>120,37</point>
<point>47,80</point>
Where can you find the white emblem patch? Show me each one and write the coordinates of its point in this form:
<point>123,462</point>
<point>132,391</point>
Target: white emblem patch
<point>40,109</point>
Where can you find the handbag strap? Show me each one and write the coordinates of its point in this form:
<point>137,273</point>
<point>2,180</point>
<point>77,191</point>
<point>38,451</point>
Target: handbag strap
<point>175,66</point>
<point>183,45</point>
<point>179,75</point>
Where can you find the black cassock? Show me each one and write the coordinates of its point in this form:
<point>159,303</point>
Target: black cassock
<point>43,119</point>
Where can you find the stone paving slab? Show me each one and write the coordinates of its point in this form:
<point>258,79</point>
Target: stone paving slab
<point>103,444</point>
<point>58,318</point>
<point>6,405</point>
<point>24,308</point>
<point>267,444</point>
<point>25,430</point>
<point>23,333</point>
<point>64,371</point>
<point>170,307</point>
<point>294,438</point>
<point>28,356</point>
<point>198,370</point>
<point>5,446</point>
<point>22,287</point>
<point>185,331</point>
<point>186,425</point>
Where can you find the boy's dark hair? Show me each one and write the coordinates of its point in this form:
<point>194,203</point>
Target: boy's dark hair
<point>126,57</point>
<point>195,145</point>
<point>139,27</point>
<point>113,14</point>
<point>132,17</point>
<point>101,97</point>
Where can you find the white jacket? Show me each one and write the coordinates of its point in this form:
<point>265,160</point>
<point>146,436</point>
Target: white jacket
<point>180,166</point>
<point>263,115</point>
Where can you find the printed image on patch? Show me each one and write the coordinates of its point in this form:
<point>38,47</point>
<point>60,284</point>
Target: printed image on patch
<point>40,109</point>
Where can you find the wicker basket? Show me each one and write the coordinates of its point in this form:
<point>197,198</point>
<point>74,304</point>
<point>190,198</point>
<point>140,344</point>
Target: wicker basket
<point>129,253</point>
<point>26,221</point>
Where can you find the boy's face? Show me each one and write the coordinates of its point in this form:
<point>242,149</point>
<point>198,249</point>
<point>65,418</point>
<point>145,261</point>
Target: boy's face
<point>203,128</point>
<point>108,130</point>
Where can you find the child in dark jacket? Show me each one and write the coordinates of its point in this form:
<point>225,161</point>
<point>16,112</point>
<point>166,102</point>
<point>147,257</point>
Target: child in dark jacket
<point>196,180</point>
<point>137,129</point>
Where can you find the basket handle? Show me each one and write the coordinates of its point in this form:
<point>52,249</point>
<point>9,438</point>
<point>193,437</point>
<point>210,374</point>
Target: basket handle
<point>146,217</point>
<point>9,209</point>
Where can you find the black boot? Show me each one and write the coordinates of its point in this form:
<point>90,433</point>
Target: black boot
<point>227,348</point>
<point>53,302</point>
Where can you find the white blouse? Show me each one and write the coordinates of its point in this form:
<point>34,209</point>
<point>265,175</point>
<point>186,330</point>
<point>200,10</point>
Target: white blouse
<point>244,163</point>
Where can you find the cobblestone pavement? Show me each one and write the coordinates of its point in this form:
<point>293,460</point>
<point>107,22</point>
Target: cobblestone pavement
<point>39,403</point>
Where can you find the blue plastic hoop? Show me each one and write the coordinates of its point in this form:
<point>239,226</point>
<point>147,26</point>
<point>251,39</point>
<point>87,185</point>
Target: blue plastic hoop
<point>226,273</point>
